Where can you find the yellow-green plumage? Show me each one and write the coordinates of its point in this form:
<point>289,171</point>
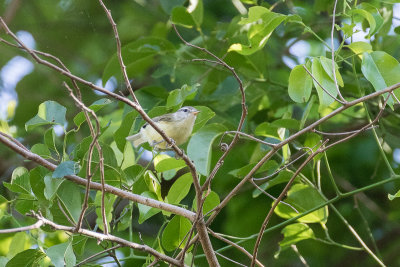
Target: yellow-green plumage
<point>178,126</point>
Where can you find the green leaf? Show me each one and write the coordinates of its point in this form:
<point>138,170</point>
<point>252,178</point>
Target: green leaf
<point>19,181</point>
<point>123,131</point>
<point>62,255</point>
<point>66,168</point>
<point>300,83</point>
<point>164,163</point>
<point>381,70</point>
<point>325,80</point>
<point>27,258</point>
<point>109,200</point>
<point>327,65</point>
<point>138,56</point>
<point>175,233</point>
<point>168,5</point>
<point>205,115</point>
<point>195,8</point>
<point>18,244</point>
<point>51,186</point>
<point>146,212</point>
<point>178,96</point>
<point>181,16</point>
<point>359,48</point>
<point>50,139</point>
<point>96,106</point>
<point>212,200</point>
<point>368,17</point>
<point>268,130</point>
<point>153,184</point>
<point>240,173</point>
<point>391,197</point>
<point>50,112</point>
<point>78,243</point>
<point>200,146</point>
<point>258,33</point>
<point>36,179</point>
<point>302,198</point>
<point>180,189</point>
<point>70,196</point>
<point>286,123</point>
<point>42,150</point>
<point>294,233</point>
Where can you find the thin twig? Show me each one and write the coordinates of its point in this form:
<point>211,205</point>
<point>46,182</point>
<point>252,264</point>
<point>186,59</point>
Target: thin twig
<point>36,225</point>
<point>101,237</point>
<point>342,133</point>
<point>97,254</point>
<point>333,54</point>
<point>119,54</point>
<point>323,88</point>
<point>233,244</point>
<point>97,186</point>
<point>281,196</point>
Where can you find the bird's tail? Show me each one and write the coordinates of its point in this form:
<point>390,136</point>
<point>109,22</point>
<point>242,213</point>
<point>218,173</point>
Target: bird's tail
<point>136,139</point>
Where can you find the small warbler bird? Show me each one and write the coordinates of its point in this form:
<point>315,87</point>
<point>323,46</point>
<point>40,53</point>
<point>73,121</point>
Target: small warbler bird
<point>177,125</point>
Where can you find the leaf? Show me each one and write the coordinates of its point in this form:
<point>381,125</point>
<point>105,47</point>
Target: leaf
<point>153,184</point>
<point>62,255</point>
<point>286,123</point>
<point>140,56</point>
<point>303,198</point>
<point>19,243</point>
<point>181,16</point>
<point>19,181</point>
<point>51,186</point>
<point>96,106</point>
<point>205,115</point>
<point>164,163</point>
<point>168,5</point>
<point>109,200</point>
<point>146,212</point>
<point>70,196</point>
<point>42,150</point>
<point>327,65</point>
<point>175,232</point>
<point>359,48</point>
<point>381,70</point>
<point>368,17</point>
<point>78,243</point>
<point>36,179</point>
<point>180,189</point>
<point>212,200</point>
<point>258,33</point>
<point>195,8</point>
<point>294,233</point>
<point>50,139</point>
<point>28,258</point>
<point>123,131</point>
<point>324,79</point>
<point>50,112</point>
<point>300,84</point>
<point>66,168</point>
<point>178,96</point>
<point>200,146</point>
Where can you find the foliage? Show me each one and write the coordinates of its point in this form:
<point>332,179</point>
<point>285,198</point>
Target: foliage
<point>301,104</point>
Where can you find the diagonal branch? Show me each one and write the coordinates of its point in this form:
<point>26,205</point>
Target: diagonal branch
<point>96,186</point>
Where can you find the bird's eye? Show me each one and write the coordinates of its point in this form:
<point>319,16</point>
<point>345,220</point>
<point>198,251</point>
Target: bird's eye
<point>185,110</point>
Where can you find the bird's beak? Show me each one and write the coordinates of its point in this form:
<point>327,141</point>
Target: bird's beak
<point>195,112</point>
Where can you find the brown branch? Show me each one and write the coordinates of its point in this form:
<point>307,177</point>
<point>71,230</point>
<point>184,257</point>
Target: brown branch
<point>333,54</point>
<point>243,103</point>
<point>233,244</point>
<point>96,186</point>
<point>279,199</point>
<point>36,225</point>
<point>119,54</point>
<point>101,237</point>
<point>97,254</point>
<point>323,88</point>
<point>95,142</point>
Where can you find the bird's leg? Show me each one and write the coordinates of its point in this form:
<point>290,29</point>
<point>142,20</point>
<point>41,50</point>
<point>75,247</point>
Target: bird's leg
<point>172,143</point>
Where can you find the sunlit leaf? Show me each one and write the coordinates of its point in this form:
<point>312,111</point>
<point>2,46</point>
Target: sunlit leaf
<point>175,232</point>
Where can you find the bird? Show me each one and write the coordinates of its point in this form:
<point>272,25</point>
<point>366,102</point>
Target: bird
<point>177,125</point>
